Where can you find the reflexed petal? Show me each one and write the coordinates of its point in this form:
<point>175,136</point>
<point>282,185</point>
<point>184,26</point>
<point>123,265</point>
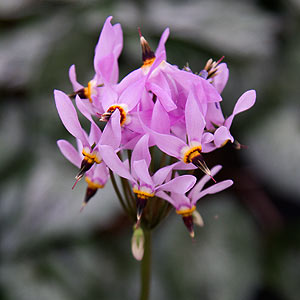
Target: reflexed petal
<point>83,108</point>
<point>132,94</point>
<point>218,187</point>
<point>207,137</point>
<point>166,197</point>
<point>161,50</point>
<point>221,136</point>
<point>164,98</point>
<point>130,79</point>
<point>112,132</point>
<point>194,119</point>
<point>109,97</point>
<point>160,175</point>
<point>179,184</point>
<point>100,172</point>
<point>220,80</point>
<point>158,60</point>
<point>95,134</point>
<point>199,186</point>
<point>141,171</point>
<point>209,147</point>
<point>181,200</point>
<point>210,91</point>
<point>73,78</point>
<point>112,160</point>
<point>160,121</point>
<point>214,115</point>
<point>141,151</point>
<point>104,69</point>
<point>68,116</point>
<point>168,144</point>
<point>69,152</point>
<point>108,49</point>
<point>187,79</point>
<point>245,102</point>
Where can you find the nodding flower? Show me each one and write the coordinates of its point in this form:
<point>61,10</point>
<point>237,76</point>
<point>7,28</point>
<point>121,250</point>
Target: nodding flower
<point>89,144</point>
<point>185,205</point>
<point>220,126</point>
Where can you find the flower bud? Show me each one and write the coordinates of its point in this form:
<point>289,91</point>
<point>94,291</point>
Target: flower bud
<point>137,243</point>
<point>197,219</point>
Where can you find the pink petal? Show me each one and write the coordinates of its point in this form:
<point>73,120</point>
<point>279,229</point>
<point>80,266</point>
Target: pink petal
<point>69,152</point>
<point>95,134</point>
<point>101,172</point>
<point>141,151</point>
<point>108,49</point>
<point>160,175</point>
<point>218,187</point>
<point>109,97</point>
<point>179,184</point>
<point>245,102</point>
<point>73,78</point>
<point>194,119</point>
<point>160,121</point>
<point>214,115</point>
<point>161,50</point>
<point>181,200</point>
<point>130,79</point>
<point>112,132</point>
<point>141,171</point>
<point>205,179</point>
<point>132,94</point>
<point>219,81</point>
<point>164,98</point>
<point>85,107</point>
<point>112,160</point>
<point>221,136</point>
<point>168,144</point>
<point>68,116</point>
<point>207,137</point>
<point>166,197</point>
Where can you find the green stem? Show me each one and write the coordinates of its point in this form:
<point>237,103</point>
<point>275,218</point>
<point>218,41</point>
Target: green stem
<point>114,183</point>
<point>146,267</point>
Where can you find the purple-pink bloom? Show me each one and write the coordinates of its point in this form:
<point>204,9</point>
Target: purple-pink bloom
<point>220,125</point>
<point>90,144</point>
<point>185,205</point>
<point>107,52</point>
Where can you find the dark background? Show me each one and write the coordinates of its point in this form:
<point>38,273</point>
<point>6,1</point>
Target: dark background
<point>249,247</point>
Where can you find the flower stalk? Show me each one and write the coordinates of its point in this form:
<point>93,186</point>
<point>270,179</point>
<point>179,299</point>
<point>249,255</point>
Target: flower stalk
<point>146,266</point>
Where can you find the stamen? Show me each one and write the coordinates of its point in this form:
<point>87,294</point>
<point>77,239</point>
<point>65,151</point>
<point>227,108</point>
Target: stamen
<point>106,116</point>
<point>212,67</point>
<point>201,164</point>
<point>77,179</point>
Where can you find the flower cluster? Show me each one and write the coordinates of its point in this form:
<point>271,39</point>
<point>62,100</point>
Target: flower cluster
<point>159,120</point>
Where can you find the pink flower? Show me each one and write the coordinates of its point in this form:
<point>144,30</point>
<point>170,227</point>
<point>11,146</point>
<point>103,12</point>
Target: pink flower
<point>186,205</point>
<point>107,52</point>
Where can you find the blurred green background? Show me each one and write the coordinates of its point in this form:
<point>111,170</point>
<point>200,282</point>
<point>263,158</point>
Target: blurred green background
<point>249,247</point>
